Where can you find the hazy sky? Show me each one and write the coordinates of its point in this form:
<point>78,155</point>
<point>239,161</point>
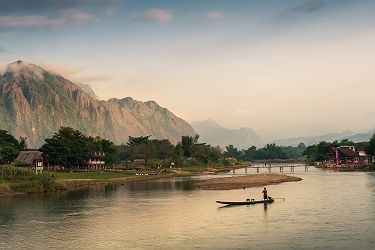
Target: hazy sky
<point>283,67</point>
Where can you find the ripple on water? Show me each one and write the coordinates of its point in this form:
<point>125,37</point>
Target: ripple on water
<point>326,210</point>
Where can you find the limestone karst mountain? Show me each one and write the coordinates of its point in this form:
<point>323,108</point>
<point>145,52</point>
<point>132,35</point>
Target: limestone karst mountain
<point>214,134</point>
<point>34,103</point>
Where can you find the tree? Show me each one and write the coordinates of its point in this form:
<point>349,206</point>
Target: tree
<point>10,147</point>
<point>301,146</point>
<point>249,154</point>
<point>370,149</point>
<point>346,142</point>
<point>68,147</point>
<point>23,143</point>
<point>319,152</point>
<point>143,147</point>
<point>8,140</point>
<point>8,154</point>
<point>188,143</point>
<point>232,151</point>
<point>138,140</point>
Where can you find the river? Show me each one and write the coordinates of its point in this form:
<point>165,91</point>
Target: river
<point>329,210</point>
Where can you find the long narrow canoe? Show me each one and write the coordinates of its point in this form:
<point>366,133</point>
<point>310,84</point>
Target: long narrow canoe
<point>248,202</point>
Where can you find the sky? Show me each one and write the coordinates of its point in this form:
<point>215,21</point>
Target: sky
<point>284,68</point>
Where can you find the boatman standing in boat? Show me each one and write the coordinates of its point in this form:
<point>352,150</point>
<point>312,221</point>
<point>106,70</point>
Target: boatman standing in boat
<point>265,196</point>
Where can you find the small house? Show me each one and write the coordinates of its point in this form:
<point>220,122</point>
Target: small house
<point>96,161</point>
<point>363,157</point>
<point>34,159</point>
<point>139,164</point>
<point>348,155</point>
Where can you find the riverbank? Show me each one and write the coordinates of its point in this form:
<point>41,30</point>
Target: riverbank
<point>28,183</point>
<point>349,167</point>
<point>73,184</point>
<point>238,182</point>
<point>65,181</point>
<point>55,184</point>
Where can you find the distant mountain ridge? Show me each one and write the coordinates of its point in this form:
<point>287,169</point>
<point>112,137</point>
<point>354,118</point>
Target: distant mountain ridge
<point>352,136</point>
<point>34,103</point>
<point>214,134</point>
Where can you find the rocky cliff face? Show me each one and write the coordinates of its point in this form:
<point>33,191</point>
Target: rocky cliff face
<point>35,103</point>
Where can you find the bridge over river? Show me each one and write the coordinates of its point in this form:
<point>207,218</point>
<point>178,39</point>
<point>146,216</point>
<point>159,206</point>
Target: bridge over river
<point>279,166</point>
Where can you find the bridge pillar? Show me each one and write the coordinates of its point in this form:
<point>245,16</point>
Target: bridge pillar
<point>292,169</point>
<point>281,169</point>
<point>257,169</point>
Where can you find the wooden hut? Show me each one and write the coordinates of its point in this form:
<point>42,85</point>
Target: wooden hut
<point>33,159</point>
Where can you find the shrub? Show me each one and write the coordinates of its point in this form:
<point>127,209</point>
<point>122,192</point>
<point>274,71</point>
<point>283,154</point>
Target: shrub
<point>38,183</point>
<point>11,172</point>
<point>19,164</point>
<point>372,167</point>
<point>46,181</point>
<point>4,187</point>
<point>26,186</point>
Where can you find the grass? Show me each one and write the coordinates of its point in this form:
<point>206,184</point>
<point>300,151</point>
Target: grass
<point>20,179</point>
<point>11,172</point>
<point>37,183</point>
<point>4,188</point>
<point>191,169</point>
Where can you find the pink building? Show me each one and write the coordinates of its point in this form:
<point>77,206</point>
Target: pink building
<point>349,155</point>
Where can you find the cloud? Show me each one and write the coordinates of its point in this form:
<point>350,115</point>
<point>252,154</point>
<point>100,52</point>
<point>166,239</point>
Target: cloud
<point>109,12</point>
<point>20,7</point>
<point>74,74</point>
<point>308,7</point>
<point>35,14</point>
<point>216,14</point>
<point>241,112</point>
<point>305,8</point>
<point>155,15</point>
<point>60,19</point>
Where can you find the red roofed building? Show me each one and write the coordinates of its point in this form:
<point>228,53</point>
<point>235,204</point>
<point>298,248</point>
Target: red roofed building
<point>349,155</point>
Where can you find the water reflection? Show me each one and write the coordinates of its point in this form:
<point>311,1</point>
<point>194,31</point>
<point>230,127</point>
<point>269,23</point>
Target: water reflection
<point>173,184</point>
<point>319,212</point>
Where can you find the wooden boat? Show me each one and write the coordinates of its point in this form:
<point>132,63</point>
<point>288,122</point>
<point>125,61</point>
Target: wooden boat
<point>247,202</point>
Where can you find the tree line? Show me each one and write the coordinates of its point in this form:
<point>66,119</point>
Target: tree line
<point>189,151</point>
<point>70,148</point>
<point>320,152</point>
<point>269,152</point>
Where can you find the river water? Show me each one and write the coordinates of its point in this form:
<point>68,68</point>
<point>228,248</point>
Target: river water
<point>327,210</point>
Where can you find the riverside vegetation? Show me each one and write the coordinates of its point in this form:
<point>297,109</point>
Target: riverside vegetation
<point>69,149</point>
<point>309,155</point>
